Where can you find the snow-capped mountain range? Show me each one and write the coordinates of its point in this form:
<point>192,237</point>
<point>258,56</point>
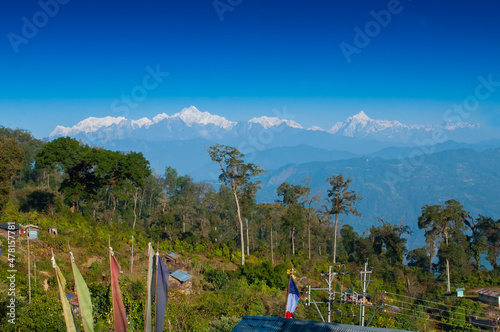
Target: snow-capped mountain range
<point>191,123</point>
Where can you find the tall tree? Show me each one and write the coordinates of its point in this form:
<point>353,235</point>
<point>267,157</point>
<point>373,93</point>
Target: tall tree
<point>30,146</point>
<point>292,198</point>
<point>11,160</point>
<point>445,222</point>
<point>491,231</point>
<point>309,200</point>
<point>418,258</point>
<point>391,237</point>
<point>89,169</point>
<point>236,174</point>
<point>342,201</point>
<point>477,239</point>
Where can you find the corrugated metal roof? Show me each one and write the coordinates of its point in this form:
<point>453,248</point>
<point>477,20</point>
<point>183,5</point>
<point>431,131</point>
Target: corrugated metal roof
<point>277,324</point>
<point>181,275</point>
<point>489,292</point>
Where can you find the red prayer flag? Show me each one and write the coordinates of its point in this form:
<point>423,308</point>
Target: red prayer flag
<point>119,315</point>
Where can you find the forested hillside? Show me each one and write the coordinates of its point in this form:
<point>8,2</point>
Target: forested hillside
<point>239,249</point>
<point>396,189</point>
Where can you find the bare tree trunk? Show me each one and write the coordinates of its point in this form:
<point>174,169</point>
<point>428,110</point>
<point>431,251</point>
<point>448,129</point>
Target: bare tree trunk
<point>141,202</point>
<point>430,247</point>
<point>272,253</point>
<point>183,223</point>
<point>448,288</point>
<point>151,203</point>
<point>248,242</point>
<point>335,239</point>
<point>241,227</point>
<point>135,206</point>
<point>293,240</point>
<point>309,235</point>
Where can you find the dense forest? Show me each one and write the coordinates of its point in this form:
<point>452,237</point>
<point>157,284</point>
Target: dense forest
<point>238,250</point>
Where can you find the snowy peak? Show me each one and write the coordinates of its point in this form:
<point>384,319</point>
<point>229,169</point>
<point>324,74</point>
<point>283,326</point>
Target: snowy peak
<point>316,128</point>
<point>361,125</point>
<point>88,125</point>
<point>360,117</point>
<point>192,123</point>
<point>268,122</point>
<point>192,115</point>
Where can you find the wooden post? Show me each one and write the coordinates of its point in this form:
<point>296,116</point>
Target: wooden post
<point>290,273</point>
<point>29,270</point>
<point>34,265</point>
<point>132,258</point>
<point>156,278</point>
<point>148,290</point>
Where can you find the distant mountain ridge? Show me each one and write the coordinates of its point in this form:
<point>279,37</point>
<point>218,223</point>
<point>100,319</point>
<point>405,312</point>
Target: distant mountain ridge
<point>191,123</point>
<point>469,176</point>
<point>367,150</point>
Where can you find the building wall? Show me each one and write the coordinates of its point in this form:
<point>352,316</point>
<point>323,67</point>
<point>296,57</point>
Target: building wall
<point>490,300</point>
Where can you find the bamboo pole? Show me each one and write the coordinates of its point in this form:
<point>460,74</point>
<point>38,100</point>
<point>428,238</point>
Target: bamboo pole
<point>29,271</point>
<point>288,289</point>
<point>156,278</point>
<point>148,289</point>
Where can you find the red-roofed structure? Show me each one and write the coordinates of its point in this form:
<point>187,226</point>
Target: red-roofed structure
<point>489,296</point>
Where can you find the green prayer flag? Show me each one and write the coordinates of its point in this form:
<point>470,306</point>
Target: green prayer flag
<point>61,282</point>
<point>83,300</point>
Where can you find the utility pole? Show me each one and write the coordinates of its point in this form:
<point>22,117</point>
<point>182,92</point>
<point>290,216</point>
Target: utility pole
<point>365,283</point>
<point>331,295</point>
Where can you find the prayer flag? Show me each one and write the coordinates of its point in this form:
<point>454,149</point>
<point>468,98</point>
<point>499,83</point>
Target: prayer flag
<point>161,294</point>
<point>120,318</point>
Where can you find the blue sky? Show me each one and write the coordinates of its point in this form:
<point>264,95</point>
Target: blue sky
<point>263,56</point>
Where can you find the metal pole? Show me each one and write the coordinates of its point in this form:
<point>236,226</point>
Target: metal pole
<point>132,258</point>
<point>364,296</point>
<point>329,292</point>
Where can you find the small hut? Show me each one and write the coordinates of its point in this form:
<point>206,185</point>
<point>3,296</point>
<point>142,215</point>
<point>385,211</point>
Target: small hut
<point>484,324</point>
<point>460,292</point>
<point>489,296</point>
<point>180,279</point>
<point>171,257</point>
<point>32,231</point>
